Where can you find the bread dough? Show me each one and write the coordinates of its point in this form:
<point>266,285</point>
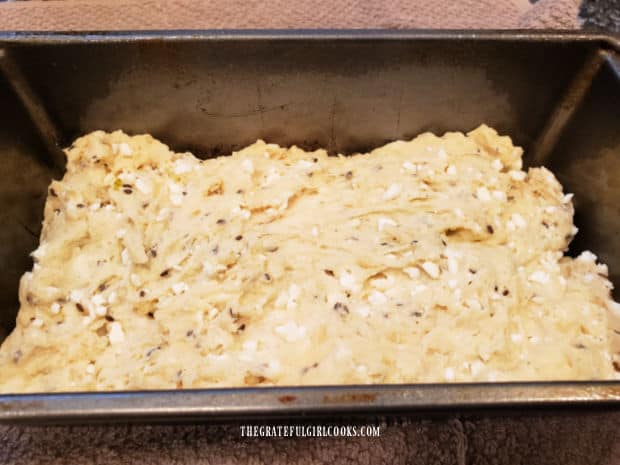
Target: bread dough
<point>432,260</point>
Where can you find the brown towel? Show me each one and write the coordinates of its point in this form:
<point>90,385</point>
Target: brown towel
<point>574,437</point>
<point>283,14</point>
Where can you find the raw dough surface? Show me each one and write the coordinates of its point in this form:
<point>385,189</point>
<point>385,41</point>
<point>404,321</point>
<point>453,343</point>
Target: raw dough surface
<point>433,260</point>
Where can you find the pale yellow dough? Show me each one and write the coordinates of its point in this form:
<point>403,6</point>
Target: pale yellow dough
<point>433,260</point>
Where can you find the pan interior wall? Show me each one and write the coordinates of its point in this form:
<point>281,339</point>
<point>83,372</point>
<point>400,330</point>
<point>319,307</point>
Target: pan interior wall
<point>212,97</point>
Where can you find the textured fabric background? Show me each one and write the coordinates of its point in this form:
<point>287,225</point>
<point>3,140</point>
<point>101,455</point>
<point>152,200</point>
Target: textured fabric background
<point>576,437</point>
<point>600,14</point>
<point>550,439</point>
<point>278,14</point>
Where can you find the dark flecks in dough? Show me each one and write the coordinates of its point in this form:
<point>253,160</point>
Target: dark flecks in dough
<point>341,308</point>
<point>150,351</point>
<point>305,370</point>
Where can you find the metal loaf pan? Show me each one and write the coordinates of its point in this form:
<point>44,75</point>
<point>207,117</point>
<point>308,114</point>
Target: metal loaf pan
<point>556,94</point>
